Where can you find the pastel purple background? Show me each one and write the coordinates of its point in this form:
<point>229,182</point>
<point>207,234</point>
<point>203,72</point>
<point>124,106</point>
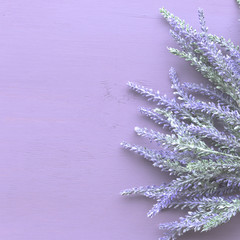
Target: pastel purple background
<point>65,107</point>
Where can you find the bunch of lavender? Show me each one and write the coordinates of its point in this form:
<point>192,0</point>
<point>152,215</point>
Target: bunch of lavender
<point>203,147</point>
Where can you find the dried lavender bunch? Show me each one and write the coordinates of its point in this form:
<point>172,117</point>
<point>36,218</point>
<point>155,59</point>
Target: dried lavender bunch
<point>203,148</point>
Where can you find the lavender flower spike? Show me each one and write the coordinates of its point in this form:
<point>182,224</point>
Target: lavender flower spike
<point>202,146</point>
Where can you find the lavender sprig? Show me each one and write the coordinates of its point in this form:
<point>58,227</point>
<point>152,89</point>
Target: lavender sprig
<point>202,149</point>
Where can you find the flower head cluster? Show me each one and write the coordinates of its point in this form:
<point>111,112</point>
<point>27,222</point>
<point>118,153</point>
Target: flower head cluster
<point>203,147</point>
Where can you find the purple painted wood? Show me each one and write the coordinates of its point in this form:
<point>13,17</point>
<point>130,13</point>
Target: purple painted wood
<point>65,107</point>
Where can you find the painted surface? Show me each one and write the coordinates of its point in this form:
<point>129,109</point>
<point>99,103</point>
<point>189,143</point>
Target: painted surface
<point>65,107</point>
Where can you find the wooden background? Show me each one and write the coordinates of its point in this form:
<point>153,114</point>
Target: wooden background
<point>65,108</point>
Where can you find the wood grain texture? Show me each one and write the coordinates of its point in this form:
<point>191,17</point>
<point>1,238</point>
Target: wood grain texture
<point>65,107</point>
